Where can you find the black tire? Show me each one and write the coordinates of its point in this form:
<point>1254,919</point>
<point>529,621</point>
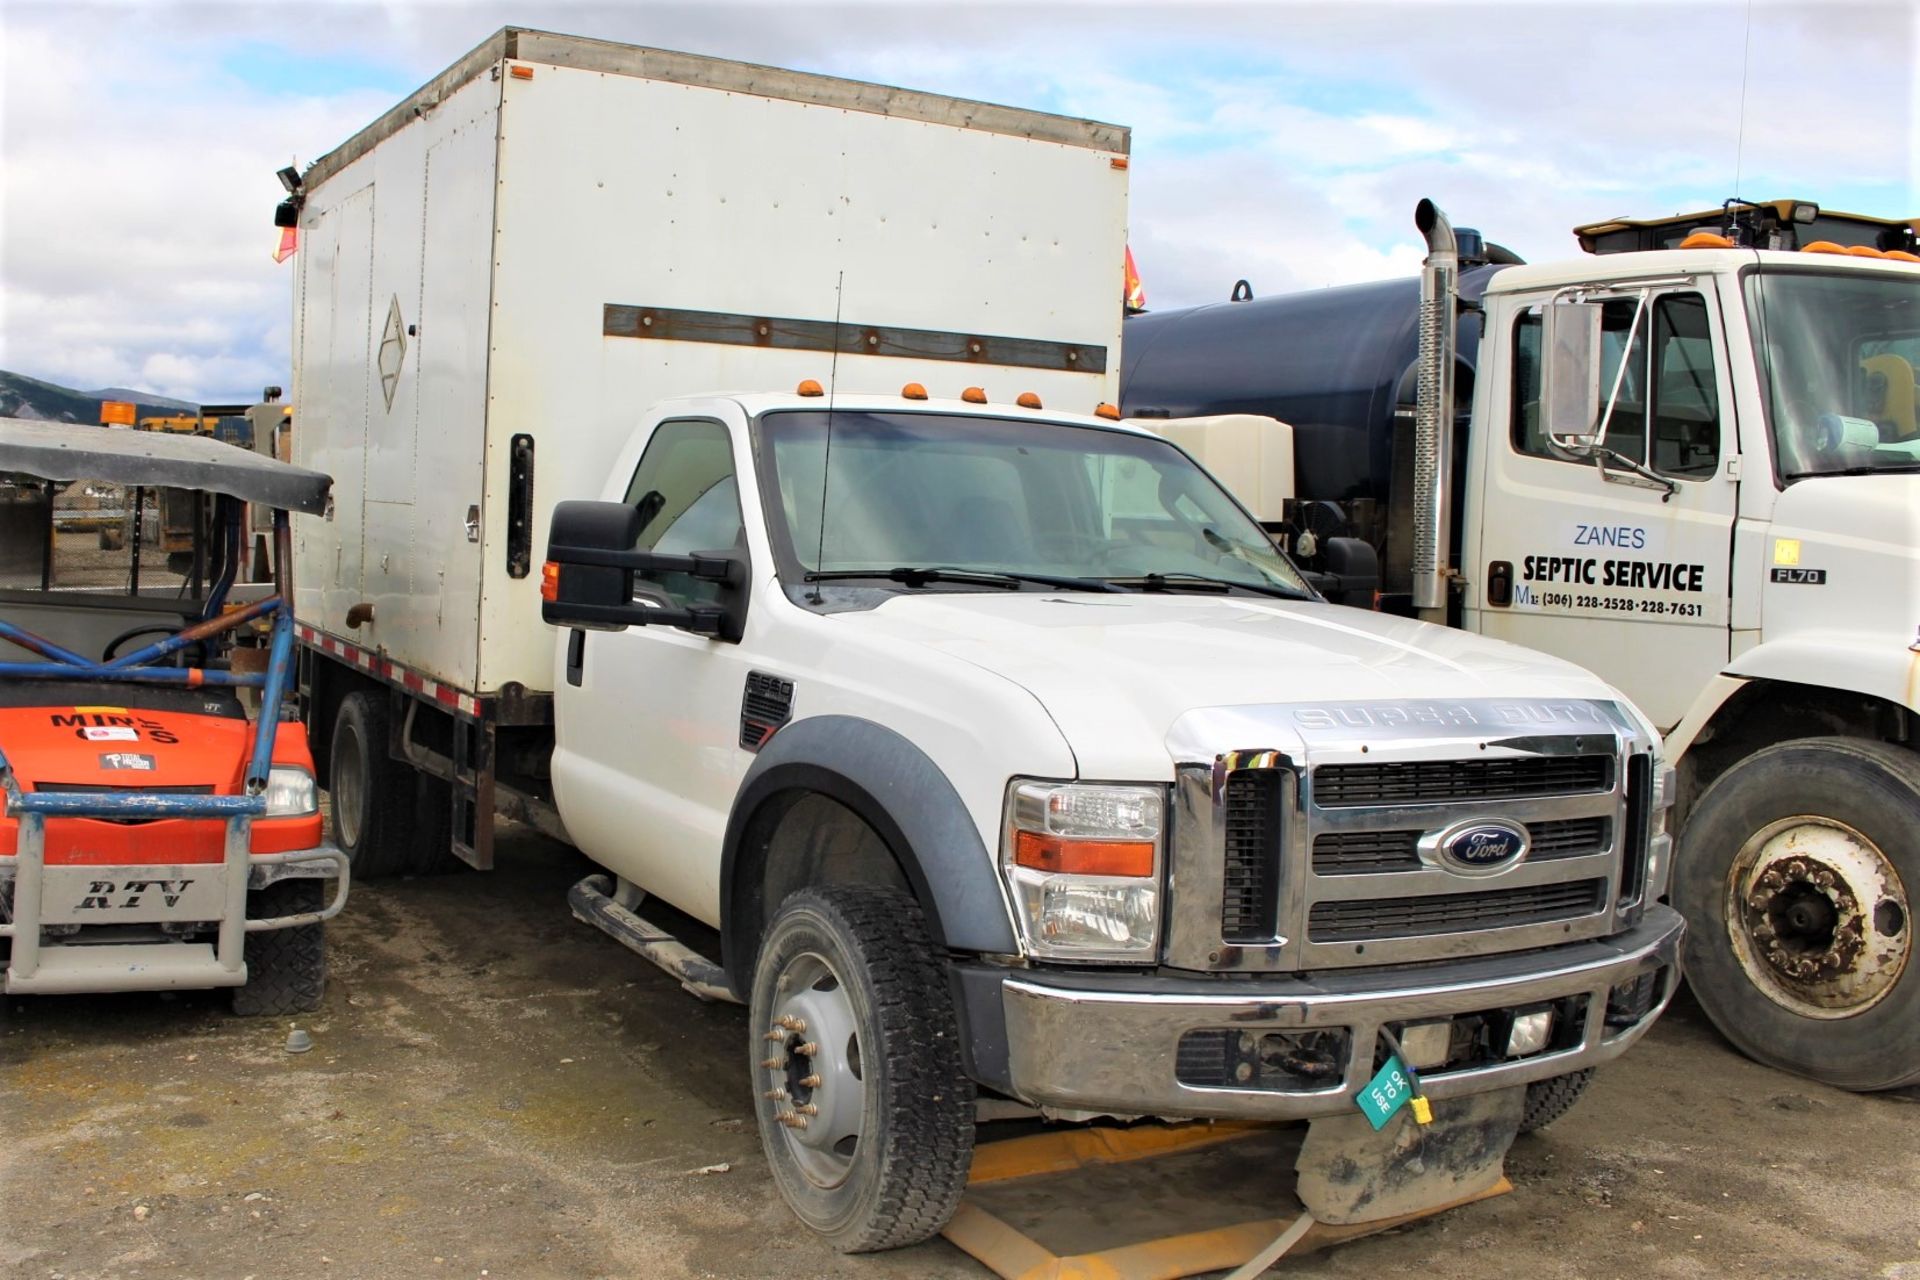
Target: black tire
<point>1548,1100</point>
<point>1871,789</point>
<point>375,801</point>
<point>433,853</point>
<point>907,1166</point>
<point>286,968</point>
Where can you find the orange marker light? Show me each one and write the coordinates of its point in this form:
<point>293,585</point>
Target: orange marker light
<point>808,387</point>
<point>1821,246</point>
<point>520,73</point>
<point>913,391</point>
<point>1028,400</point>
<point>1083,857</point>
<point>974,395</point>
<point>1706,240</point>
<point>1901,255</point>
<point>1864,251</point>
<point>1117,162</point>
<point>1111,412</point>
<point>549,581</point>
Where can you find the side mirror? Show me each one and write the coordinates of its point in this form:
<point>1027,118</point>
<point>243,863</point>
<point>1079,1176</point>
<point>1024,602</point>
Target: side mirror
<point>587,581</point>
<point>1354,568</point>
<point>1570,372</point>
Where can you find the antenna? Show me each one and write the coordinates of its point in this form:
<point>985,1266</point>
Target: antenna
<point>826,454</point>
<point>1740,135</point>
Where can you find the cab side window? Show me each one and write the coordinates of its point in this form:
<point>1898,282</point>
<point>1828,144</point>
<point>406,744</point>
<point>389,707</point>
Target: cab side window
<point>1667,415</point>
<point>689,500</point>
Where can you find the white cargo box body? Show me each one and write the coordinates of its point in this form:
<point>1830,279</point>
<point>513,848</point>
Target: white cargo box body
<point>507,269</point>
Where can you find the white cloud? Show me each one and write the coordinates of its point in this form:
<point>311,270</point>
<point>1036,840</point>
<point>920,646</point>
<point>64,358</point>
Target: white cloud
<point>1284,143</point>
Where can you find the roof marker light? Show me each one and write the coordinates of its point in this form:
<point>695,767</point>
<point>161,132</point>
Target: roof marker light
<point>974,395</point>
<point>1901,255</point>
<point>808,387</point>
<point>1864,251</point>
<point>1706,240</point>
<point>1028,400</point>
<point>520,73</point>
<point>913,391</point>
<point>1111,412</point>
<point>1821,246</point>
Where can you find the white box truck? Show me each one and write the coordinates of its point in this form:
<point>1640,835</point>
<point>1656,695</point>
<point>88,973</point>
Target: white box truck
<point>1001,747</point>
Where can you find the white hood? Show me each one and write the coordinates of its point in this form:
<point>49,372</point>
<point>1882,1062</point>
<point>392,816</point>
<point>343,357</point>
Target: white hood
<point>1115,671</point>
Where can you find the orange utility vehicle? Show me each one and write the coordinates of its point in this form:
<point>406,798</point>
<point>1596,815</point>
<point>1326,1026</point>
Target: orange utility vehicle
<point>152,835</point>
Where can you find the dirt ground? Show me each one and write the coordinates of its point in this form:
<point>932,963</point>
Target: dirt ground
<point>498,1091</point>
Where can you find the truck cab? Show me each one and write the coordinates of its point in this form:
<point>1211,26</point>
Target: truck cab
<point>1687,462</point>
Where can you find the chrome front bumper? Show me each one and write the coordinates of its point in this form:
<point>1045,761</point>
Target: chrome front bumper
<point>1108,1043</point>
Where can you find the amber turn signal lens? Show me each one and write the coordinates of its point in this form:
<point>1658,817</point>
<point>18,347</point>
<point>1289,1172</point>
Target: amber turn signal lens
<point>549,581</point>
<point>1028,400</point>
<point>1083,857</point>
<point>1111,412</point>
<point>913,391</point>
<point>521,73</point>
<point>808,387</point>
<point>974,395</point>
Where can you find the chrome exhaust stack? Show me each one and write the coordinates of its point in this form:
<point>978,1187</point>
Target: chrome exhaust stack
<point>1433,414</point>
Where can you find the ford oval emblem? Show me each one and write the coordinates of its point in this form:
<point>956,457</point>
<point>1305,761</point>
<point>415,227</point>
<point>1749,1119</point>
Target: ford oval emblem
<point>1485,846</point>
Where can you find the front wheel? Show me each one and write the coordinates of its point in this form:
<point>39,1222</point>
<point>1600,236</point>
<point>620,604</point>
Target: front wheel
<point>286,968</point>
<point>865,1111</point>
<point>1796,873</point>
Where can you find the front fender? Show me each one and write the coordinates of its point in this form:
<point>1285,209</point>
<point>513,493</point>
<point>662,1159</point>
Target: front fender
<point>905,797</point>
<point>1874,663</point>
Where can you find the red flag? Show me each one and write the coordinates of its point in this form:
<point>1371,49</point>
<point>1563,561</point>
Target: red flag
<point>289,244</point>
<point>1136,292</point>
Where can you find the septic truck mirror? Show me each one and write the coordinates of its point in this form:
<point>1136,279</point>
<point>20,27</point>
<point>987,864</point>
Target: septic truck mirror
<point>1570,373</point>
<point>587,581</point>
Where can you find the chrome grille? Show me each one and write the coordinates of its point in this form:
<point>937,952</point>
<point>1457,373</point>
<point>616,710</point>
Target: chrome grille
<point>1456,781</point>
<point>1348,853</point>
<point>1368,919</point>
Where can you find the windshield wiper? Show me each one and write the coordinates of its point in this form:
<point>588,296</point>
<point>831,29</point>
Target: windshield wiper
<point>1899,468</point>
<point>922,575</point>
<point>1202,583</point>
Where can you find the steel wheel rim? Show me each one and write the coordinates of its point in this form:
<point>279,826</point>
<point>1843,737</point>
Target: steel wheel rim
<point>1819,917</point>
<point>347,764</point>
<point>813,1075</point>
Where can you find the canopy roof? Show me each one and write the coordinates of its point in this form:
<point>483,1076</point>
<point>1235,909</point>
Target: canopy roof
<point>117,455</point>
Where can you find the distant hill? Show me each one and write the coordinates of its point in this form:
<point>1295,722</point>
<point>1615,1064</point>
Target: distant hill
<point>142,398</point>
<point>24,397</point>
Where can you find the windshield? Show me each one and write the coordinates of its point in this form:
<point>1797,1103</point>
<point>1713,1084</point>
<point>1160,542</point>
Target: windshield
<point>1837,355</point>
<point>1003,496</point>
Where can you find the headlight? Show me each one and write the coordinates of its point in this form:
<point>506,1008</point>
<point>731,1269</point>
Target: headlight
<point>1083,864</point>
<point>290,792</point>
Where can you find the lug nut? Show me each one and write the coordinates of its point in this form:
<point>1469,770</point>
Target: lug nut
<point>808,1049</point>
<point>775,1095</point>
<point>773,1064</point>
<point>775,1036</point>
<point>793,1024</point>
<point>810,1082</point>
<point>807,1109</point>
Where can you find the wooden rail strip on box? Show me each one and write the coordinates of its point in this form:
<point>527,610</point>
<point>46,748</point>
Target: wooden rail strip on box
<point>672,324</point>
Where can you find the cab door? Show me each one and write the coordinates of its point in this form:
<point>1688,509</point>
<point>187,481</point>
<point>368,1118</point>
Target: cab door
<point>647,756</point>
<point>1623,568</point>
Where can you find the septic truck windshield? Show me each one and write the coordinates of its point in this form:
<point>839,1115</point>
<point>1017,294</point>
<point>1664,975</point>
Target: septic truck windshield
<point>1837,355</point>
<point>981,495</point>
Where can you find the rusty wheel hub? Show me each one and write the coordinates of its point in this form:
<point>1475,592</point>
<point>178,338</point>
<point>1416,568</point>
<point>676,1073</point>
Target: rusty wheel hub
<point>1818,916</point>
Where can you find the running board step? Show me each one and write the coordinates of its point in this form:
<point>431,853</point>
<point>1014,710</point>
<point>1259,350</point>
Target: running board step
<point>592,902</point>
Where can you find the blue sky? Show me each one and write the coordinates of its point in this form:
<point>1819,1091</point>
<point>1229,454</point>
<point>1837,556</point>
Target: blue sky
<point>1282,143</point>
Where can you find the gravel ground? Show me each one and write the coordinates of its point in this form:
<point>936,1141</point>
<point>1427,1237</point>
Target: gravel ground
<point>498,1091</point>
